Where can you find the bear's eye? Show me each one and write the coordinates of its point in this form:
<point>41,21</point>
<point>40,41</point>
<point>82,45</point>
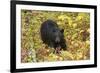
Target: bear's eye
<point>54,30</point>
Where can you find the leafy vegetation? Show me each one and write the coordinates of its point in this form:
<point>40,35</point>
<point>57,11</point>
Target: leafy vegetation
<point>76,27</point>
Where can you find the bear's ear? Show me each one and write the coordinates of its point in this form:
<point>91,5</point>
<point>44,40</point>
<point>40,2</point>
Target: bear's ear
<point>62,30</point>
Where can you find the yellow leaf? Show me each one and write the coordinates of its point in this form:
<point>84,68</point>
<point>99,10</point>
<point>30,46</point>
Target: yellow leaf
<point>62,17</point>
<point>74,25</point>
<point>88,42</point>
<point>66,54</point>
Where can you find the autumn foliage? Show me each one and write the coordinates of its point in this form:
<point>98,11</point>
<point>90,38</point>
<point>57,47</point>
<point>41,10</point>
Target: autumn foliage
<point>76,27</point>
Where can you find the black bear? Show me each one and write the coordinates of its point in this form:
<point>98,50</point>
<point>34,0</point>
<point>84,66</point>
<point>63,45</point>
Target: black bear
<point>52,35</point>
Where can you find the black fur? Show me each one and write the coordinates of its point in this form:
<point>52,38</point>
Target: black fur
<point>52,35</point>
